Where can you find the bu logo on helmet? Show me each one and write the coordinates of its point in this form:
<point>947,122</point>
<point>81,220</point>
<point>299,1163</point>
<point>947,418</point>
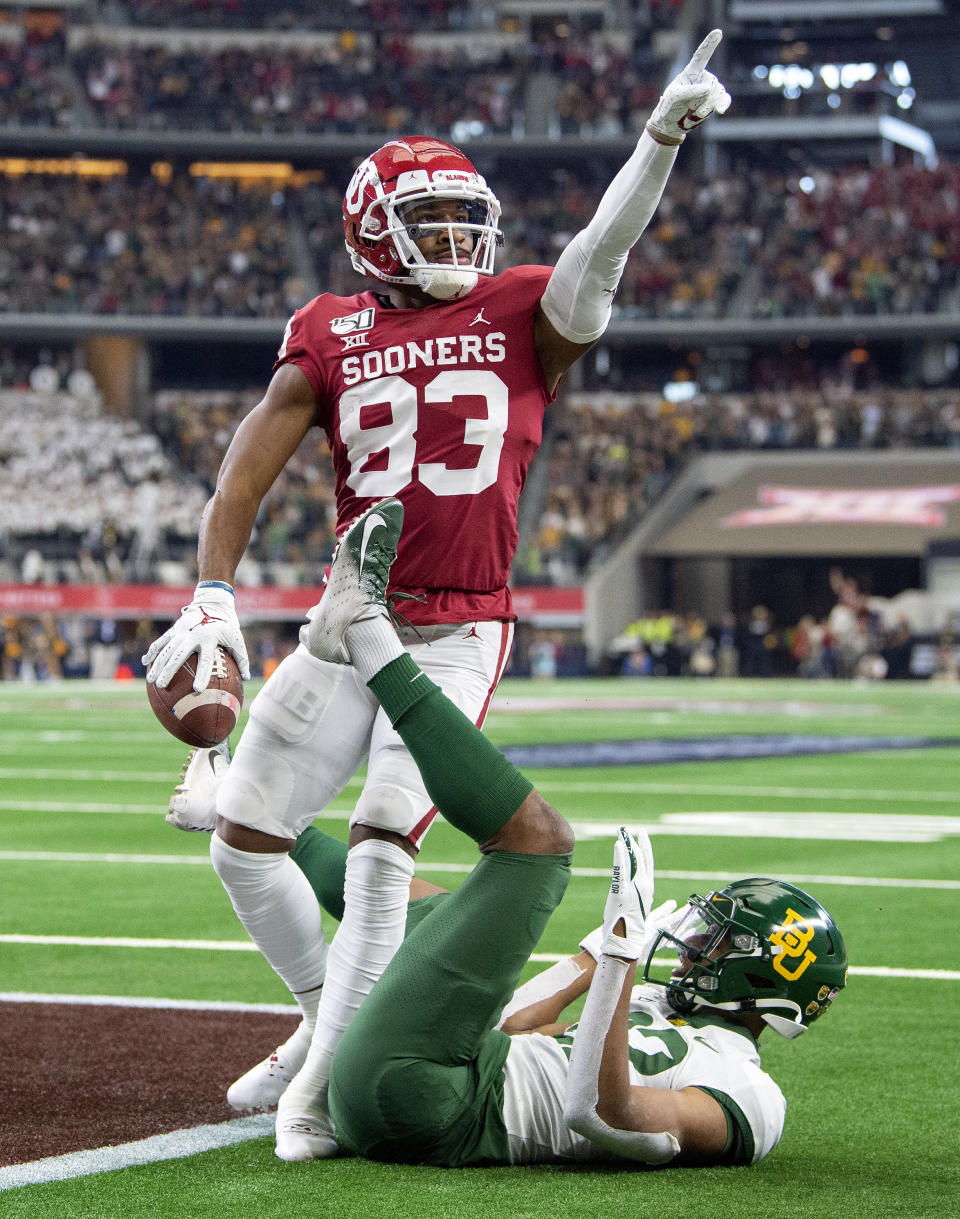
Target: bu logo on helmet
<point>792,937</point>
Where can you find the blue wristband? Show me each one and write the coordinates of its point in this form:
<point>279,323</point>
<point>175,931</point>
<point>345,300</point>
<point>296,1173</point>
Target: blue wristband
<point>227,588</point>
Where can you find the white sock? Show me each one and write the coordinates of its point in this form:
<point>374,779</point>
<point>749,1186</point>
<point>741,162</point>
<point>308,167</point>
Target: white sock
<point>372,644</point>
<point>281,914</point>
<point>309,1001</point>
<point>298,1043</point>
<point>376,891</point>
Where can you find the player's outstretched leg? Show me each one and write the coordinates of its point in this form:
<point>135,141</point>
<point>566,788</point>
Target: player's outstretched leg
<point>323,860</point>
<point>475,787</point>
<point>379,871</point>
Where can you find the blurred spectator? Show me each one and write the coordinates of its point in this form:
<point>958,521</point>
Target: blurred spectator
<point>846,625</point>
<point>897,649</point>
<point>726,637</point>
<point>810,648</point>
<point>543,653</point>
<point>759,641</point>
<point>947,668</point>
<point>637,663</point>
<point>34,649</point>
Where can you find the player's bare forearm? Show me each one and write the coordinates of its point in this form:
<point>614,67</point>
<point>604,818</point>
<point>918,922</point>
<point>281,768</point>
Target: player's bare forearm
<point>225,530</point>
<point>261,447</point>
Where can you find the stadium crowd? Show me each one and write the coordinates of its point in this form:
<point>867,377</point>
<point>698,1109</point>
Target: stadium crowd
<point>608,458</point>
<point>752,244</point>
<point>337,90</point>
<point>129,495</point>
<point>611,457</point>
<point>367,67</point>
<point>191,246</point>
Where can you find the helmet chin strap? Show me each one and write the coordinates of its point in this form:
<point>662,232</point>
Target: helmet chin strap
<point>445,284</point>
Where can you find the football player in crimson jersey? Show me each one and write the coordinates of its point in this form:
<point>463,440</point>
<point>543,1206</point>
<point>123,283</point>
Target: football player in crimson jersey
<point>430,387</point>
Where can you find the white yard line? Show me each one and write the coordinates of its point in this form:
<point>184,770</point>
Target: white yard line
<point>784,824</point>
<point>600,786</point>
<point>641,786</point>
<point>126,941</point>
<point>173,1146</point>
<point>817,825</point>
<point>84,775</point>
<point>147,1001</point>
<point>90,857</point>
<point>870,882</point>
<point>71,806</point>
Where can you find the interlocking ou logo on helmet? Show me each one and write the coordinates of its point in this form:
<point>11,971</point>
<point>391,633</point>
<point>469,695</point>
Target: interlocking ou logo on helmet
<point>792,937</point>
<point>364,175</point>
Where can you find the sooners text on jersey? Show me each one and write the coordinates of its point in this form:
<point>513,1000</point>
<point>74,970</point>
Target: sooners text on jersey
<point>443,408</point>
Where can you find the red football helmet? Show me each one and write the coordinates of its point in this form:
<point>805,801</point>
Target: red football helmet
<point>404,174</point>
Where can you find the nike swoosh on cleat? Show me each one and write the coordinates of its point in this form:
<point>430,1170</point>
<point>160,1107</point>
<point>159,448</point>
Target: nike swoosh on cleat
<point>371,523</point>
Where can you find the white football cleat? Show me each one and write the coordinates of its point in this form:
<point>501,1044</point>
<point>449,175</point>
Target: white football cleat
<point>193,805</point>
<point>357,584</point>
<point>301,1139</point>
<point>304,1130</point>
<point>262,1086</point>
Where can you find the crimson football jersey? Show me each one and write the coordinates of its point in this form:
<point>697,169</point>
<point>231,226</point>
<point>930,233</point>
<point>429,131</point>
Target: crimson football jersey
<point>441,407</point>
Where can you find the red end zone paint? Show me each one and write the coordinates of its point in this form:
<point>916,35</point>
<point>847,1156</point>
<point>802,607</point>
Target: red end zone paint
<point>78,1077</point>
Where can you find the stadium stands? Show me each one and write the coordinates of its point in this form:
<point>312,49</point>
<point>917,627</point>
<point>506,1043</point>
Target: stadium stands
<point>760,230</point>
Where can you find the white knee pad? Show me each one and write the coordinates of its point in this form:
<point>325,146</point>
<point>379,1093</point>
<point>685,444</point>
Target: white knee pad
<point>308,730</point>
<point>257,792</point>
<point>387,807</point>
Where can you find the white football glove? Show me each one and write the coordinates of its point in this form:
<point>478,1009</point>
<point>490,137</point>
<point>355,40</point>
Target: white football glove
<point>659,918</point>
<point>208,622</point>
<point>631,894</point>
<point>690,97</point>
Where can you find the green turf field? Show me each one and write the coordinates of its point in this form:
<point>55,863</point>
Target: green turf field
<point>88,868</point>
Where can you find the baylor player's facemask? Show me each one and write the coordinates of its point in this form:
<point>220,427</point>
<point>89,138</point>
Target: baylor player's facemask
<point>758,945</point>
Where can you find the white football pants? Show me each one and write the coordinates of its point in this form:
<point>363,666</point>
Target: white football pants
<point>313,723</point>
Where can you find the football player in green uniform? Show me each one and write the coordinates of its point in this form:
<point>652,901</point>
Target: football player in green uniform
<point>663,1066</point>
<point>669,1071</point>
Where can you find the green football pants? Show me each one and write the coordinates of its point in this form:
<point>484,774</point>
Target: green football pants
<point>418,1075</point>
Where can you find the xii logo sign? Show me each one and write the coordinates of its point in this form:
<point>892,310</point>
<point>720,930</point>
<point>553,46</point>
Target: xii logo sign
<point>854,506</point>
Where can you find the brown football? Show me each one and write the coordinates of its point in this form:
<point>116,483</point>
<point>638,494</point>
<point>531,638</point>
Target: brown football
<point>206,718</point>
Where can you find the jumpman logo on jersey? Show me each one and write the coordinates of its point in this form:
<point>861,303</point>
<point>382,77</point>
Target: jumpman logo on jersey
<point>472,634</point>
<point>480,318</point>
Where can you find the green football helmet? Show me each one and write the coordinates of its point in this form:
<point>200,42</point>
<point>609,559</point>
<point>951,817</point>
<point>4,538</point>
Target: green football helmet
<point>758,945</point>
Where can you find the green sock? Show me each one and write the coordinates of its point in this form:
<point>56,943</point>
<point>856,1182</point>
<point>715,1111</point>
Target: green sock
<point>468,779</point>
<point>323,860</point>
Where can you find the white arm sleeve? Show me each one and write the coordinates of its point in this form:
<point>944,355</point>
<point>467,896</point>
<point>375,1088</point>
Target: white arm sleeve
<point>580,1106</point>
<point>543,985</point>
<point>579,294</point>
